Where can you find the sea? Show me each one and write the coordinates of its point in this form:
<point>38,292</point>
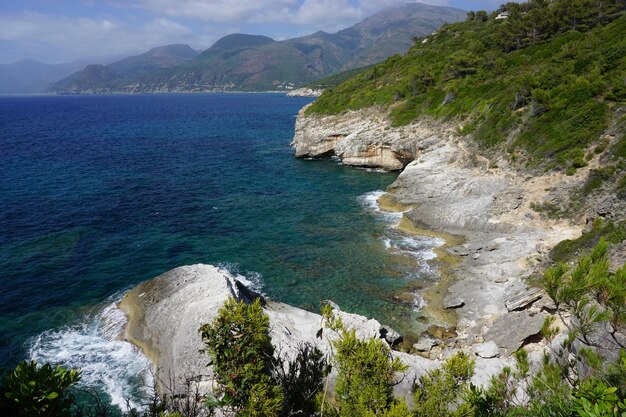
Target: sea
<point>99,193</point>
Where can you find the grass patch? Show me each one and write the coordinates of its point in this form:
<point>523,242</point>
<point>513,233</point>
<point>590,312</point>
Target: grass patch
<point>568,250</point>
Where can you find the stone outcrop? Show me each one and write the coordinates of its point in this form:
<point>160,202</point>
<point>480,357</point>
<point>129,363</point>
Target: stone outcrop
<point>510,331</point>
<point>305,92</point>
<point>357,138</point>
<point>165,314</point>
<point>447,186</point>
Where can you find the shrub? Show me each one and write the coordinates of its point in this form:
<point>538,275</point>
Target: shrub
<point>366,373</point>
<point>442,392</point>
<point>242,356</point>
<point>30,390</point>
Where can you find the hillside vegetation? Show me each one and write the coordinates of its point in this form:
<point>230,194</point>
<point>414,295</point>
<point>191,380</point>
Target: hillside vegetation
<point>542,84</point>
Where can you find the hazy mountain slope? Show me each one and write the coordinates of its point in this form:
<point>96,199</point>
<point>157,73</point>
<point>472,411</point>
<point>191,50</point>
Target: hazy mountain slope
<point>155,59</point>
<point>29,76</point>
<point>256,63</point>
<point>118,73</point>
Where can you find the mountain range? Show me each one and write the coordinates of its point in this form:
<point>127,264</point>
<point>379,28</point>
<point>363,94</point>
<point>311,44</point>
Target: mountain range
<point>29,76</point>
<point>245,62</point>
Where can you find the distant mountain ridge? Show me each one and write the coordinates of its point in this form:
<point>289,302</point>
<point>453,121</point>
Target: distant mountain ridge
<point>29,76</point>
<point>100,76</point>
<point>258,63</point>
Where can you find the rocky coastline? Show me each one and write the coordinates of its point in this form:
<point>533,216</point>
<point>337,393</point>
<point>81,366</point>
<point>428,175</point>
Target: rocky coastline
<point>165,314</point>
<point>482,209</point>
<point>482,304</point>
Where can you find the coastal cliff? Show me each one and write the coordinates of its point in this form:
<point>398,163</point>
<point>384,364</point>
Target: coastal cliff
<point>447,187</point>
<point>165,315</point>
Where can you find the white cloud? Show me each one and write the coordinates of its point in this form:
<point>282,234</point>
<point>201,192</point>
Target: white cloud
<point>58,39</point>
<point>323,13</point>
<point>213,10</point>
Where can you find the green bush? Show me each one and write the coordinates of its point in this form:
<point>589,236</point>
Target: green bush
<point>366,374</point>
<point>31,390</point>
<point>442,392</point>
<point>242,356</point>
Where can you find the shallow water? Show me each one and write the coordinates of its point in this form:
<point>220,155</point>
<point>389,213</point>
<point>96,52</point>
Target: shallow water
<point>100,193</point>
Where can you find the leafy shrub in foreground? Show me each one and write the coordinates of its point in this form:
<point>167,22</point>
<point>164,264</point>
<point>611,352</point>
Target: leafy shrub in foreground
<point>31,391</point>
<point>242,356</point>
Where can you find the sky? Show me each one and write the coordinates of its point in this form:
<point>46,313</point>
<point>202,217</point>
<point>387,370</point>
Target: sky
<point>97,31</point>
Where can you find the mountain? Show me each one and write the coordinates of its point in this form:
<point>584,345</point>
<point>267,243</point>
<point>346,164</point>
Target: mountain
<point>155,59</point>
<point>112,75</point>
<point>256,63</point>
<point>543,87</point>
<point>29,76</point>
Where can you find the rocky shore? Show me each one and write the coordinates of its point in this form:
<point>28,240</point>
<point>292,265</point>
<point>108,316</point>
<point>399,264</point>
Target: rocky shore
<point>446,187</point>
<point>482,303</point>
<point>165,315</point>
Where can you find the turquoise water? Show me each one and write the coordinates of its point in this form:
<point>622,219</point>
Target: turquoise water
<point>100,193</point>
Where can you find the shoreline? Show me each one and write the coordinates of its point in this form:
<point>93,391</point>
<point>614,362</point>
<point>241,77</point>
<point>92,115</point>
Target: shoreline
<point>444,261</point>
<point>285,93</point>
<point>493,237</point>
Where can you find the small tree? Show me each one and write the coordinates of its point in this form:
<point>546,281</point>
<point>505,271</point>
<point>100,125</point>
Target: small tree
<point>242,356</point>
<point>366,374</point>
<point>442,392</point>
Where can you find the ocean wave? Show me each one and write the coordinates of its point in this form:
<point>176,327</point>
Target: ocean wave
<point>250,279</point>
<point>370,202</point>
<point>421,247</point>
<point>109,365</point>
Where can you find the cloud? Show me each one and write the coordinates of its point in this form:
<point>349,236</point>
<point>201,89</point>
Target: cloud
<point>213,10</point>
<point>59,39</point>
<point>323,13</point>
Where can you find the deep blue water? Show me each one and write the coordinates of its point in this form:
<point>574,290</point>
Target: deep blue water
<point>100,193</point>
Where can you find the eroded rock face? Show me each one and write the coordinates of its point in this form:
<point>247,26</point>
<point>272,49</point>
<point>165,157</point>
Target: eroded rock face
<point>361,138</point>
<point>166,313</point>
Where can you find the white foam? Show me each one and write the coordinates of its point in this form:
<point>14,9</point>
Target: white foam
<point>370,202</point>
<point>421,247</point>
<point>252,280</point>
<point>418,302</point>
<point>108,364</point>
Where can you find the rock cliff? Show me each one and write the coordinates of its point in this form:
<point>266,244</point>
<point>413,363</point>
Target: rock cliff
<point>446,186</point>
<point>165,314</point>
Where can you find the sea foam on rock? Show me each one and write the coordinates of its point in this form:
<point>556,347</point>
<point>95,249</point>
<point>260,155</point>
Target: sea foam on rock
<point>165,315</point>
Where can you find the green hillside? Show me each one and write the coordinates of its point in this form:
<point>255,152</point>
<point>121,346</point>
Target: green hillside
<point>542,84</point>
<point>257,63</point>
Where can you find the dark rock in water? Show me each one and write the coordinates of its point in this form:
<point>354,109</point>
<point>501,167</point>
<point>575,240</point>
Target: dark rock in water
<point>390,335</point>
<point>523,298</point>
<point>511,330</point>
<point>451,302</point>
